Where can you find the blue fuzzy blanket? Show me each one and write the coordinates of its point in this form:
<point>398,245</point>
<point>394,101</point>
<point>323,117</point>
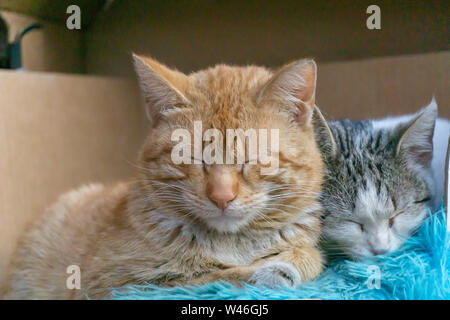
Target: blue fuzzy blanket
<point>420,270</point>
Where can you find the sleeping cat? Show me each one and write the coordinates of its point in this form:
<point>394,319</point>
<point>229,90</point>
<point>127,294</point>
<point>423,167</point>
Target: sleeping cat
<point>192,223</point>
<point>382,175</point>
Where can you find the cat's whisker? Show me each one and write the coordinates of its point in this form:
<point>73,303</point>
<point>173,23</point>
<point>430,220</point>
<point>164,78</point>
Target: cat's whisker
<point>287,197</point>
<point>264,217</point>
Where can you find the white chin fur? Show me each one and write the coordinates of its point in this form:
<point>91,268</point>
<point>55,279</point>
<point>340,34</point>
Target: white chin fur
<point>226,224</point>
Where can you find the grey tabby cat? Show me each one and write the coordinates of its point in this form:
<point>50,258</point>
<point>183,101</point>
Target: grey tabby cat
<point>379,181</point>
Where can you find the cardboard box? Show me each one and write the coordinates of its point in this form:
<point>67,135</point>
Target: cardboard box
<point>57,132</point>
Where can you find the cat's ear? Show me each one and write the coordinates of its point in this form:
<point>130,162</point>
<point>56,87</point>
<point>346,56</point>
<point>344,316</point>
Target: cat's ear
<point>416,139</point>
<point>323,133</point>
<point>161,87</point>
<point>292,89</point>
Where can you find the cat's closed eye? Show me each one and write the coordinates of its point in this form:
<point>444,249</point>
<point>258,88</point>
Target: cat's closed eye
<point>361,226</point>
<point>391,220</point>
<point>423,200</point>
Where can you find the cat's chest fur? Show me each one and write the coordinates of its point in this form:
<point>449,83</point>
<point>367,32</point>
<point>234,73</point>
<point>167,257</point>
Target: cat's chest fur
<point>226,248</point>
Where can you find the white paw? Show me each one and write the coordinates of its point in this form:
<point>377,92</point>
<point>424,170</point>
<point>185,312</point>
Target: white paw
<point>276,274</point>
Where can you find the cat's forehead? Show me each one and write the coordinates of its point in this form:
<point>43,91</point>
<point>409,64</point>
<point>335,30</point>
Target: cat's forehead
<point>226,85</point>
<point>364,171</point>
<point>373,201</point>
<point>225,79</point>
<point>361,137</point>
<point>224,95</point>
<point>363,150</point>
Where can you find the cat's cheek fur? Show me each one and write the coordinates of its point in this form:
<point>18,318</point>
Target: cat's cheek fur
<point>275,274</point>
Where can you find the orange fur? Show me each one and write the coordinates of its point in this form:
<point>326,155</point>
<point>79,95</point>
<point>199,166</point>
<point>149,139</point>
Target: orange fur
<point>161,227</point>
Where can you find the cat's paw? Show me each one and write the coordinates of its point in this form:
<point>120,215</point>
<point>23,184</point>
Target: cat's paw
<point>276,274</point>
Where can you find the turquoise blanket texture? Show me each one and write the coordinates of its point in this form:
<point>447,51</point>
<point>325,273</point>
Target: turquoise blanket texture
<point>420,270</point>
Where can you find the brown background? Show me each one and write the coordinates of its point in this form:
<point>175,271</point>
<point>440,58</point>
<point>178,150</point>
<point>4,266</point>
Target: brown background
<point>58,132</point>
<point>192,34</point>
<point>362,73</point>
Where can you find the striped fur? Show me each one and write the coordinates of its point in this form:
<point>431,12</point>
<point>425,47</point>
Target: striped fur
<point>162,228</point>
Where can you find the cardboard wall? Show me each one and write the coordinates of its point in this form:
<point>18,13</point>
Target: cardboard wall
<point>379,87</point>
<point>191,35</point>
<point>56,133</point>
<point>362,73</point>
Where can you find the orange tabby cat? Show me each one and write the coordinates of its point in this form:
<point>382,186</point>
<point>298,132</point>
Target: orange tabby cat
<point>191,223</point>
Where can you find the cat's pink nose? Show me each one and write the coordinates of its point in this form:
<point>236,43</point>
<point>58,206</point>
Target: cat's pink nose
<point>377,247</point>
<point>222,200</point>
<point>222,187</point>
